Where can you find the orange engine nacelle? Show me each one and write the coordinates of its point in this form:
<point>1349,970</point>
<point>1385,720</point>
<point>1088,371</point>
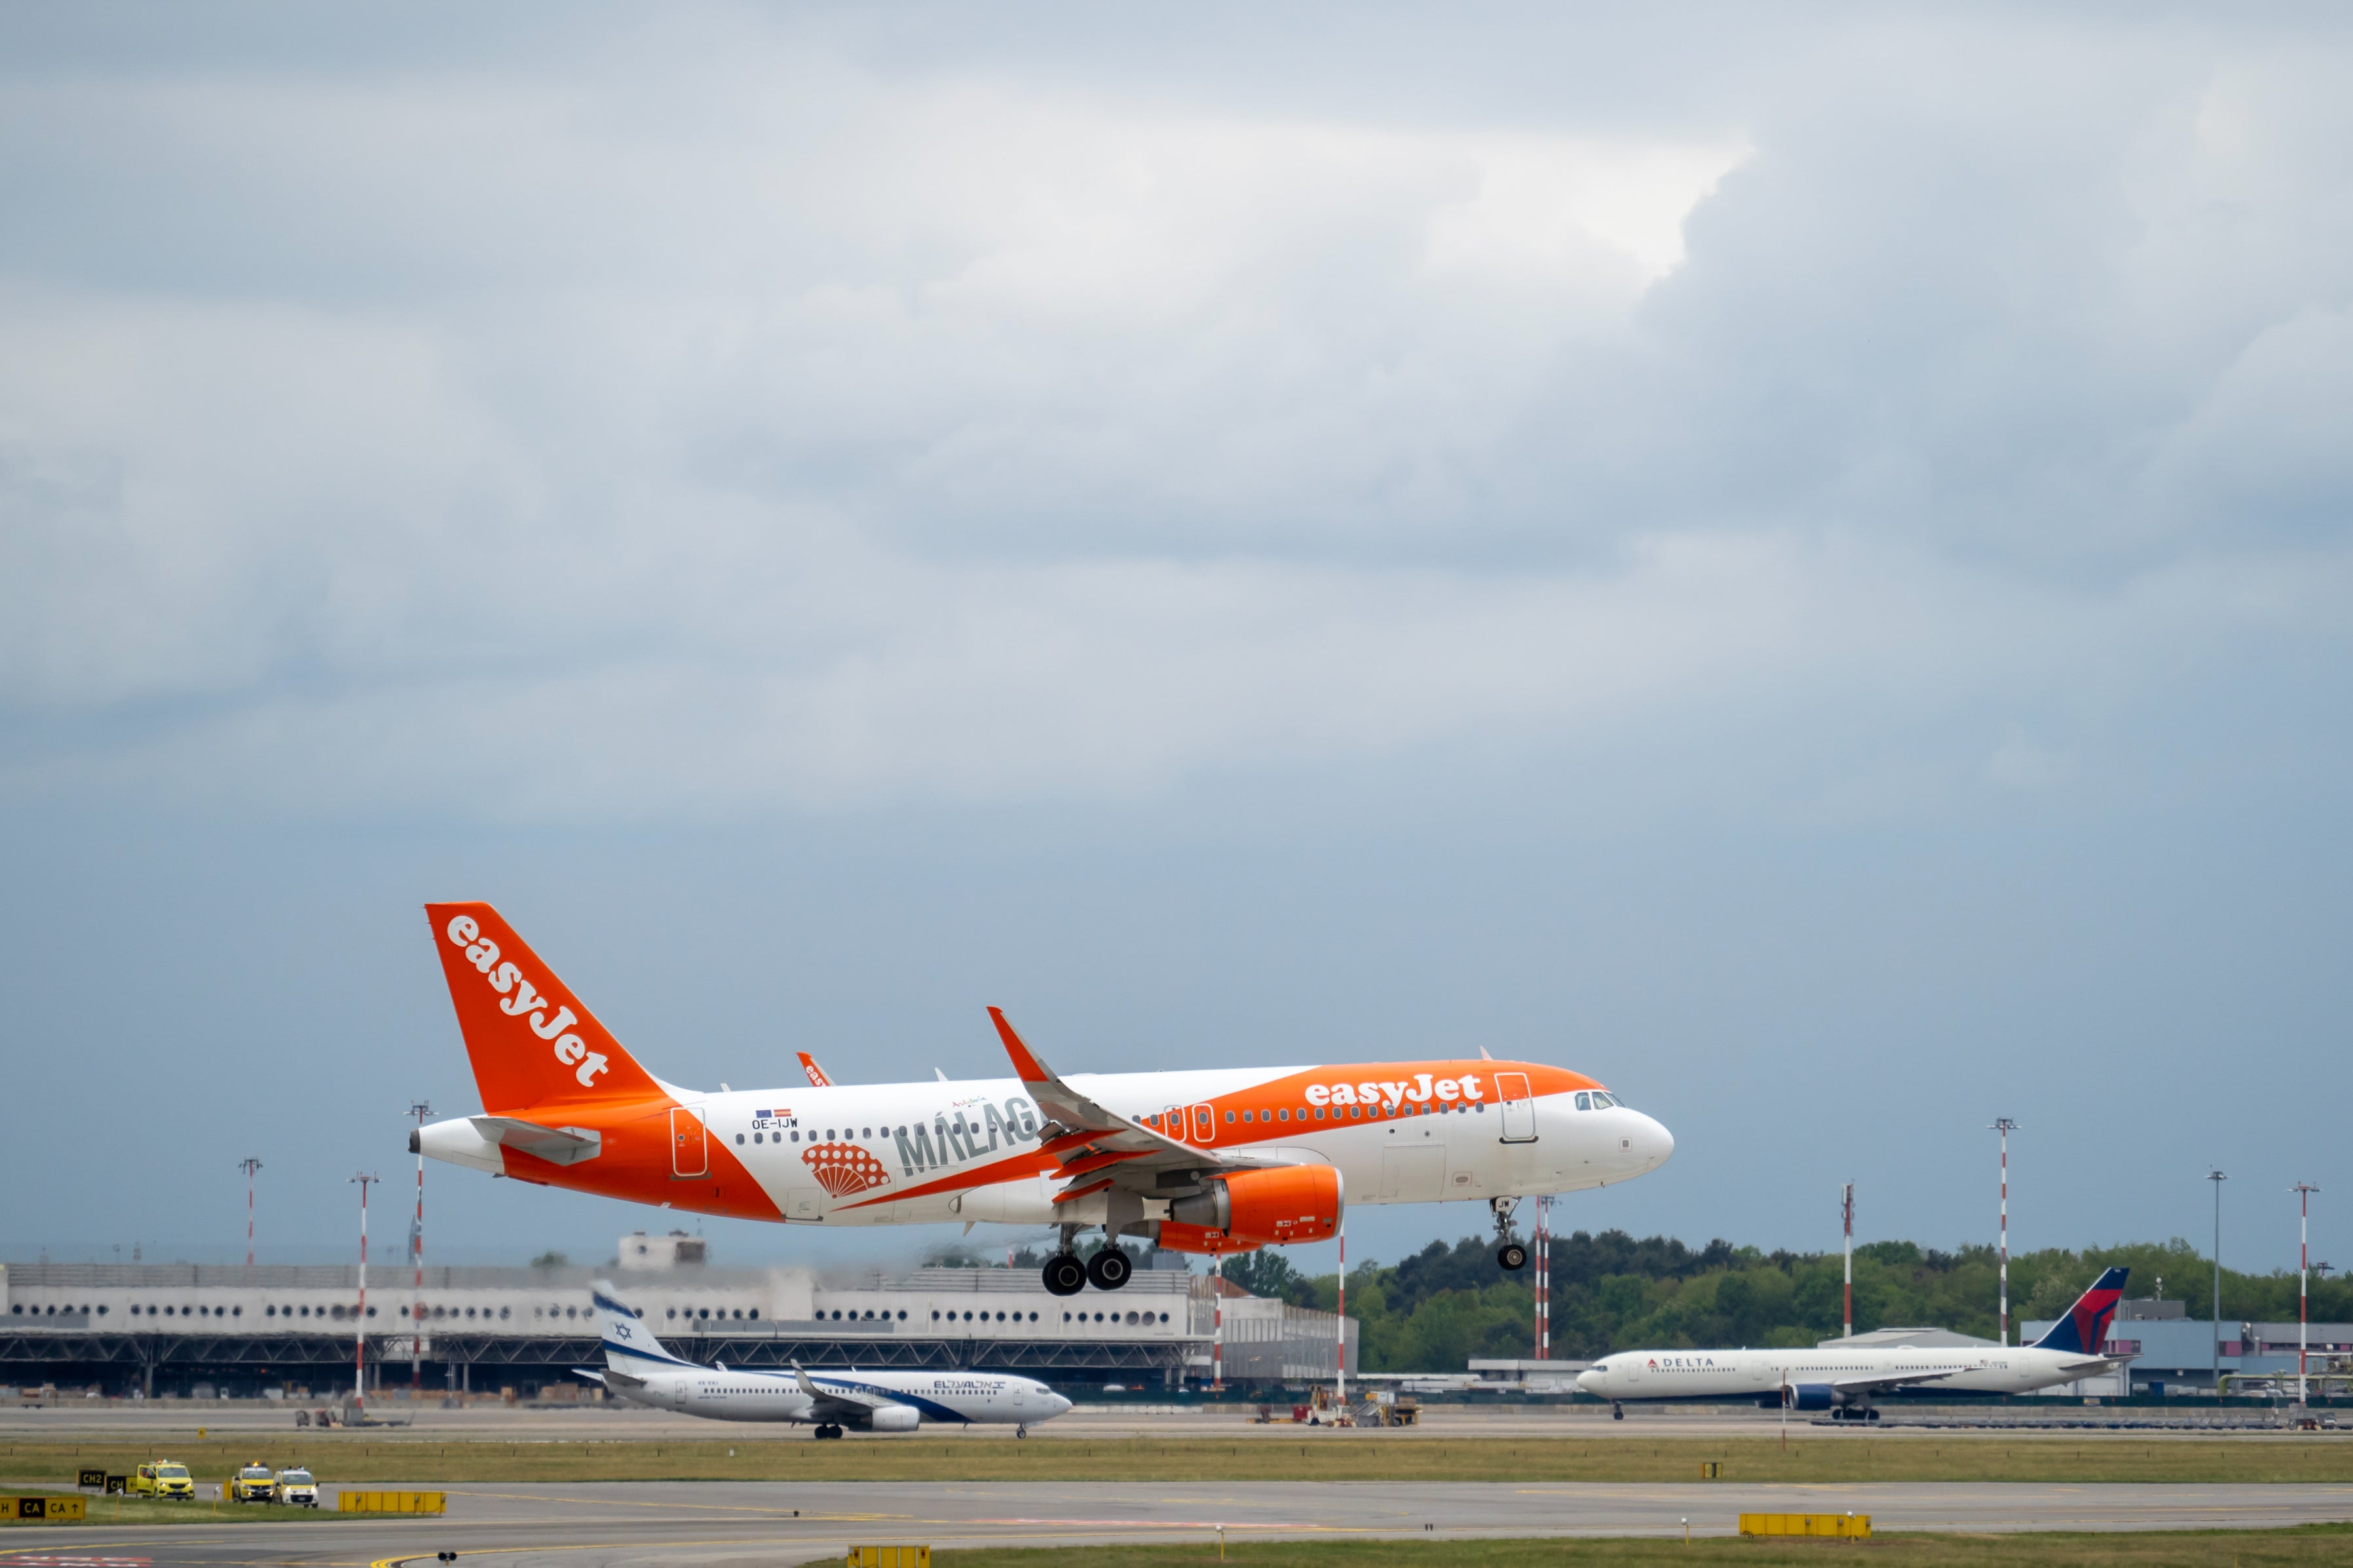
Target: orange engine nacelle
<point>1257,1208</point>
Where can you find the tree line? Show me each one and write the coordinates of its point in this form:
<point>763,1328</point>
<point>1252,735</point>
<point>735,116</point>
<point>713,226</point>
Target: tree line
<point>1441,1306</point>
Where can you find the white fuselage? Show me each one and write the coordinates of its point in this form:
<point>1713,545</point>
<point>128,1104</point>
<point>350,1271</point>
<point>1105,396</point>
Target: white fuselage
<point>1422,1149</point>
<point>1761,1373</point>
<point>721,1394</point>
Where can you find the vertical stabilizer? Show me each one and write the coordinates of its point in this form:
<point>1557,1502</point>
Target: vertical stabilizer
<point>630,1347</point>
<point>534,1044</point>
<point>2084,1329</point>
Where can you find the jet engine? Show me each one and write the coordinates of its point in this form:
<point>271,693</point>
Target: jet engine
<point>894,1419</point>
<point>1243,1209</point>
<point>1812,1396</point>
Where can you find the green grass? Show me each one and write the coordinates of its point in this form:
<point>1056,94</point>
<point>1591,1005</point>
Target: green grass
<point>2297,1548</point>
<point>1328,1456</point>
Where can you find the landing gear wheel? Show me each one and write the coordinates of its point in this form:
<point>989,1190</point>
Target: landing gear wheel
<point>1022,1430</point>
<point>1617,1411</point>
<point>1871,1415</point>
<point>1109,1269</point>
<point>824,1432</point>
<point>1513,1255</point>
<point>1065,1275</point>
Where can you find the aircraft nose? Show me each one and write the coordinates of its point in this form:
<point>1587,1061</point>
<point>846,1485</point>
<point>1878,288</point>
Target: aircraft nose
<point>1056,1404</point>
<point>1654,1142</point>
<point>1590,1380</point>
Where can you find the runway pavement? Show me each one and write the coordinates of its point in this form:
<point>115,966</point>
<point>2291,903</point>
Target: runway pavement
<point>718,1524</point>
<point>100,1420</point>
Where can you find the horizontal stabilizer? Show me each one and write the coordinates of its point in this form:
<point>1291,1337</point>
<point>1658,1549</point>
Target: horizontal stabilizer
<point>556,1145</point>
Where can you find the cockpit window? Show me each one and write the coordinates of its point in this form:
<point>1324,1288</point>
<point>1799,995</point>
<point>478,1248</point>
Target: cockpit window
<point>1602,1102</point>
<point>1584,1100</point>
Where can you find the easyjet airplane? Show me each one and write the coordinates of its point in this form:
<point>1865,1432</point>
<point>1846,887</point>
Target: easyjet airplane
<point>1211,1161</point>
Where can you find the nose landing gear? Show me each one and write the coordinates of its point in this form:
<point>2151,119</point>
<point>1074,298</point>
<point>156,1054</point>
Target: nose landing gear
<point>1510,1253</point>
<point>1617,1411</point>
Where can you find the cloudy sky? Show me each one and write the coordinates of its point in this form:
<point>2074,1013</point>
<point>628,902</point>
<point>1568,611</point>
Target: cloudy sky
<point>1798,563</point>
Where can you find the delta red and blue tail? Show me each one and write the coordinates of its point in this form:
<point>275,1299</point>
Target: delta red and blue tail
<point>2084,1329</point>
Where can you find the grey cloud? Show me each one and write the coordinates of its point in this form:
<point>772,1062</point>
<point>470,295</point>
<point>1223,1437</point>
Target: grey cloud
<point>738,412</point>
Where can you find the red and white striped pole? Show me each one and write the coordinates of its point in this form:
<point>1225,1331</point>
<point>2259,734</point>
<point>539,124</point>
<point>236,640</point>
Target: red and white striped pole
<point>1847,1206</point>
<point>1217,1321</point>
<point>1343,1325</point>
<point>2304,1190</point>
<point>248,1166</point>
<point>420,1110</point>
<point>359,1334</point>
<point>1544,1279</point>
<point>2005,1126</point>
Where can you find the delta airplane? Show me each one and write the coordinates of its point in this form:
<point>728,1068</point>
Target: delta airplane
<point>1841,1378</point>
<point>1207,1162</point>
<point>638,1368</point>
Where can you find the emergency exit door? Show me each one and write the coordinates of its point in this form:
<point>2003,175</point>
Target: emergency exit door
<point>689,1152</point>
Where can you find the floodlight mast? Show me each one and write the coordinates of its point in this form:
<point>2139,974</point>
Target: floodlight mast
<point>2218,1178</point>
<point>248,1166</point>
<point>1846,1206</point>
<point>420,1110</point>
<point>2005,1126</point>
<point>359,1334</point>
<point>2303,1191</point>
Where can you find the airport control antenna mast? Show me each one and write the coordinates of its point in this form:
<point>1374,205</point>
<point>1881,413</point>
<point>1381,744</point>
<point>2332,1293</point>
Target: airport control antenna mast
<point>2218,1178</point>
<point>248,1166</point>
<point>1847,1206</point>
<point>359,1334</point>
<point>420,1111</point>
<point>2303,1191</point>
<point>2005,1126</point>
<point>1544,1279</point>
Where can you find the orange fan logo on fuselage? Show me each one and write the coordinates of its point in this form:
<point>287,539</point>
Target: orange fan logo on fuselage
<point>842,1169</point>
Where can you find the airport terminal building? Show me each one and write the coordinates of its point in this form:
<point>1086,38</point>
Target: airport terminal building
<point>159,1329</point>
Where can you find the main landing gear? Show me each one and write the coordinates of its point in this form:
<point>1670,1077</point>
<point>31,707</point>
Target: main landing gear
<point>1510,1253</point>
<point>1065,1275</point>
<point>1617,1411</point>
<point>1106,1270</point>
<point>1844,1413</point>
<point>827,1431</point>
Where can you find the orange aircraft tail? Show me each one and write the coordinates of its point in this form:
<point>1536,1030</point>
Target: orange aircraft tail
<point>534,1044</point>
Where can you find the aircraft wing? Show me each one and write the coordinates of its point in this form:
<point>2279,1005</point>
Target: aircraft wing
<point>1099,1148</point>
<point>1886,1380</point>
<point>839,1403</point>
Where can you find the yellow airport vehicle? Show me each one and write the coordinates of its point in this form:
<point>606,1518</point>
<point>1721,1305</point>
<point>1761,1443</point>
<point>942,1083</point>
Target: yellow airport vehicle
<point>163,1478</point>
<point>295,1489</point>
<point>255,1483</point>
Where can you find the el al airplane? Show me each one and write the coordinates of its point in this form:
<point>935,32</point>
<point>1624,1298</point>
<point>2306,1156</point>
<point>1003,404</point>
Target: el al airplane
<point>1841,1378</point>
<point>1210,1161</point>
<point>639,1369</point>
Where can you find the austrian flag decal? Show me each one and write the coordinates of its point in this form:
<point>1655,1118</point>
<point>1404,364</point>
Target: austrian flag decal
<point>842,1169</point>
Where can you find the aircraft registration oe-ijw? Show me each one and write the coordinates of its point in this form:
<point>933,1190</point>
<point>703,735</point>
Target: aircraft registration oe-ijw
<point>640,1369</point>
<point>1841,1378</point>
<point>1211,1161</point>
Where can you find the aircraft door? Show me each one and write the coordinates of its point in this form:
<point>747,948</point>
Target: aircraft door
<point>1519,1110</point>
<point>689,1152</point>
